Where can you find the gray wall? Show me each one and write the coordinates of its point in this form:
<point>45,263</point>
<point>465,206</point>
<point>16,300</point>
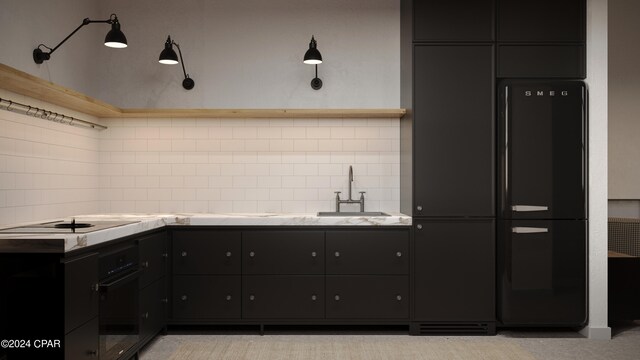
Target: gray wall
<point>242,54</point>
<point>624,96</point>
<point>25,24</point>
<point>248,54</point>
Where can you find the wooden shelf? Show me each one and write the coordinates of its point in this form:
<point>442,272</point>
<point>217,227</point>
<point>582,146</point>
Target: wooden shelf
<point>26,84</point>
<point>264,113</point>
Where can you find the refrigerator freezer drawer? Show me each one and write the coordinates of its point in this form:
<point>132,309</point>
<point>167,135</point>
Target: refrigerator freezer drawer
<point>542,272</point>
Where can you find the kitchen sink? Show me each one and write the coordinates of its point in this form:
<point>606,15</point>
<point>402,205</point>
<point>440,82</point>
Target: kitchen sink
<point>353,213</point>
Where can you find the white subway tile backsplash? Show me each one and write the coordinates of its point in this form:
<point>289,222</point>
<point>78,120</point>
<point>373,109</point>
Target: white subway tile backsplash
<point>195,133</point>
<point>305,145</point>
<point>305,169</point>
<point>269,133</point>
<point>281,145</point>
<point>294,133</point>
<point>195,165</point>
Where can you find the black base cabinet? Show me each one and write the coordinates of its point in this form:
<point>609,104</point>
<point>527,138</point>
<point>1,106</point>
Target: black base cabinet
<point>82,343</point>
<point>291,276</point>
<point>206,297</point>
<point>367,297</point>
<point>283,297</point>
<point>454,274</point>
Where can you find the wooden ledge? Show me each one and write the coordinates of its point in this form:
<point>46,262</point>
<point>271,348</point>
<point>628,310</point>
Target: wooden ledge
<point>26,84</point>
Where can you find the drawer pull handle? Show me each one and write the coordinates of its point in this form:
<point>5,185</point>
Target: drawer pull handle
<point>419,207</point>
<point>252,254</point>
<point>145,264</point>
<point>145,315</point>
<point>251,297</point>
<point>419,226</point>
<point>165,255</point>
<point>529,230</point>
<point>314,298</point>
<point>228,254</point>
<point>165,300</point>
<point>398,297</point>
<point>184,253</point>
<point>528,208</point>
<point>228,297</point>
<point>183,298</point>
<point>93,353</point>
<point>399,254</point>
<point>337,297</point>
<point>95,287</point>
<point>313,254</point>
<point>337,254</point>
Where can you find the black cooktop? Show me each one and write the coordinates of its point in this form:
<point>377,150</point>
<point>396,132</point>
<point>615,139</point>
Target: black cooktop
<point>65,227</point>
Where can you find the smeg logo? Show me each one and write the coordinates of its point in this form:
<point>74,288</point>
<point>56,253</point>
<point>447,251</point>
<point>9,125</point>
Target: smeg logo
<point>545,93</point>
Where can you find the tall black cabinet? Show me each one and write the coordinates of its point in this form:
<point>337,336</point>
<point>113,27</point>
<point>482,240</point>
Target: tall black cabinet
<point>448,73</point>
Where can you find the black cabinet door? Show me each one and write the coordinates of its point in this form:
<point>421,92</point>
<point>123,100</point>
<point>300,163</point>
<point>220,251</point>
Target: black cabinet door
<point>544,149</point>
<point>453,20</point>
<point>368,252</point>
<point>541,20</point>
<point>282,252</point>
<point>206,252</point>
<point>453,131</point>
<point>542,61</point>
<point>282,297</point>
<point>367,297</point>
<point>83,343</point>
<point>206,297</point>
<point>153,308</point>
<point>80,291</point>
<point>454,270</point>
<point>542,273</point>
<point>153,258</point>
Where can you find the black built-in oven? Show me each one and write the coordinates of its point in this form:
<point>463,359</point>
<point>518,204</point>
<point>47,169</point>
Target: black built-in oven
<point>119,322</point>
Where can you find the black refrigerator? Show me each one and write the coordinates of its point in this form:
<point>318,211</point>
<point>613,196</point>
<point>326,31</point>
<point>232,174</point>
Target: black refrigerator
<point>542,214</point>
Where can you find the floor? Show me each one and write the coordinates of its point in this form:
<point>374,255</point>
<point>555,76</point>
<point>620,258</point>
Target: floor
<point>392,345</point>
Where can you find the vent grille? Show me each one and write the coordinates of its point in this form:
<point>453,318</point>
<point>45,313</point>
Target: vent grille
<point>487,328</point>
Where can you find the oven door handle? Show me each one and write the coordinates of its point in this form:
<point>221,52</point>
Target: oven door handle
<point>105,287</point>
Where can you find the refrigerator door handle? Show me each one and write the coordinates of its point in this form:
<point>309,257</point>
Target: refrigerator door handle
<point>525,208</point>
<point>528,230</point>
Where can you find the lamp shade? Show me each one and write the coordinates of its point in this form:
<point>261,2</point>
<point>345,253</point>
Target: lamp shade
<point>115,38</point>
<point>168,55</point>
<point>312,56</point>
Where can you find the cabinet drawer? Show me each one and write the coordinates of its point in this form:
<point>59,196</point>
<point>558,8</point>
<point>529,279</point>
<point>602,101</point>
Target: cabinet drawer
<point>206,252</point>
<point>206,297</point>
<point>282,297</point>
<point>153,258</point>
<point>153,308</point>
<point>80,291</point>
<point>282,252</point>
<point>83,343</point>
<point>368,252</point>
<point>541,61</point>
<point>367,297</point>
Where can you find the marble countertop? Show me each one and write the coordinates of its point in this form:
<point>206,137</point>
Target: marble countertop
<point>25,242</point>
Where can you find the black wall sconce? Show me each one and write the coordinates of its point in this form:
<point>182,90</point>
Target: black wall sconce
<point>313,57</point>
<point>114,39</point>
<point>169,57</point>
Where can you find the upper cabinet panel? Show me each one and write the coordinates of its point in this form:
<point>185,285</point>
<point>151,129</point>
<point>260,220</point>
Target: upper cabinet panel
<point>541,20</point>
<point>453,20</point>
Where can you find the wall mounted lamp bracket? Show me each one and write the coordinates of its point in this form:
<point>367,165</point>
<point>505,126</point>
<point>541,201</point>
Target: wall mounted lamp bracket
<point>115,38</point>
<point>316,82</point>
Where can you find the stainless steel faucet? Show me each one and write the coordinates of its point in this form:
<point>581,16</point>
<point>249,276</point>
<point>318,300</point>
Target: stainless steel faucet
<point>350,200</point>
